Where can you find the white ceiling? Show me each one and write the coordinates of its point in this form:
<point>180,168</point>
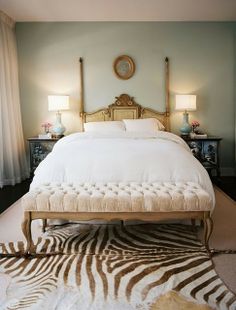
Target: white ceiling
<point>120,10</point>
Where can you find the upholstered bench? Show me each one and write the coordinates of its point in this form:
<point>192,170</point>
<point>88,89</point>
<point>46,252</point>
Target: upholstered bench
<point>124,201</point>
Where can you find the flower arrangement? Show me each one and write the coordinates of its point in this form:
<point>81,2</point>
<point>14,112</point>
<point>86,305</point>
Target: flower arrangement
<point>194,125</point>
<point>46,126</point>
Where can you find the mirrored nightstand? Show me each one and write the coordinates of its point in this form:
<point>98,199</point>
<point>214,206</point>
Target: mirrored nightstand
<point>39,149</point>
<point>206,150</point>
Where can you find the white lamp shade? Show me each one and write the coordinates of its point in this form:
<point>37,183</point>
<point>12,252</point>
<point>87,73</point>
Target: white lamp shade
<point>185,102</point>
<point>58,103</point>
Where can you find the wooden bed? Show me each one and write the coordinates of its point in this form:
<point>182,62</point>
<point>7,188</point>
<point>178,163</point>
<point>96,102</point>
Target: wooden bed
<point>124,107</point>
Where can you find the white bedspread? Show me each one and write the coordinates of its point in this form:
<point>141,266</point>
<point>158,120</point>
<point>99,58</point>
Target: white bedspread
<point>122,157</point>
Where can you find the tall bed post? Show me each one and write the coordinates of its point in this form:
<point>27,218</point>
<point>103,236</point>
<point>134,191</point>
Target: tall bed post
<point>92,116</point>
<point>81,92</point>
<point>167,92</point>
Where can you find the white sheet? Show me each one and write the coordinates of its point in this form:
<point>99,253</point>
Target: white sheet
<point>122,157</point>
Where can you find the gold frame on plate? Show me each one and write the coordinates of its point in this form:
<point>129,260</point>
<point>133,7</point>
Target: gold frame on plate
<point>130,65</point>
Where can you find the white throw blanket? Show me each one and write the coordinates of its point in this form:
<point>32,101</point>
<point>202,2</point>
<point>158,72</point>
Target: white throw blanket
<point>122,157</point>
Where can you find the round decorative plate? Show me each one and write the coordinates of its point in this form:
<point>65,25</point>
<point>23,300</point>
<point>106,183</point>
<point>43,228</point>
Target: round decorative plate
<point>124,67</point>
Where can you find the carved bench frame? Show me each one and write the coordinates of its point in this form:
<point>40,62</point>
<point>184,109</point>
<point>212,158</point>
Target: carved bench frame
<point>29,216</point>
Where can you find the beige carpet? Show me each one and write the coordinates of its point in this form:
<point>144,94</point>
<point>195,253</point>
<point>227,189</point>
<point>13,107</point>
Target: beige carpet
<point>223,237</point>
<point>224,217</point>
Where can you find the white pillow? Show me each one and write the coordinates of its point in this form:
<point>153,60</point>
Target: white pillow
<point>107,126</point>
<point>143,125</point>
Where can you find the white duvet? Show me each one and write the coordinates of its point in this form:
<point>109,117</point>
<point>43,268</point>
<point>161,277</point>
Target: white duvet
<point>121,157</point>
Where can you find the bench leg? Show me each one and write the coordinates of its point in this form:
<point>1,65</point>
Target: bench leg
<point>208,228</point>
<point>44,225</point>
<point>26,229</point>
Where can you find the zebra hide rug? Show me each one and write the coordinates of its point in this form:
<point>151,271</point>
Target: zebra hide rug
<point>112,267</point>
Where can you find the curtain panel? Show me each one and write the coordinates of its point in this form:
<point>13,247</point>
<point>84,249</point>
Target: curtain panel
<point>13,163</point>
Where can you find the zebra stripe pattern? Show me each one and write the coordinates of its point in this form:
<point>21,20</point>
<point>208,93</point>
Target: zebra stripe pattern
<point>111,267</point>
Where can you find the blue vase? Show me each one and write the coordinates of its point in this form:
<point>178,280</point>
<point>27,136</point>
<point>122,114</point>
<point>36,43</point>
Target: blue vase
<point>58,128</point>
<point>185,128</point>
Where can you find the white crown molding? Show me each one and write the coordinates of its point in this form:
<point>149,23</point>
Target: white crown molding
<point>120,10</point>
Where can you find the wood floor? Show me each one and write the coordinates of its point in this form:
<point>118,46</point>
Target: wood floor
<point>228,185</point>
<point>10,194</point>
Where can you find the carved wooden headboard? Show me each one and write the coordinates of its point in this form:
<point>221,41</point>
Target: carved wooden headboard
<point>125,106</point>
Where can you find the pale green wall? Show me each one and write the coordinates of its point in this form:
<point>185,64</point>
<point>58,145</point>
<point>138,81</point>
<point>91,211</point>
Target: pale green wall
<point>201,56</point>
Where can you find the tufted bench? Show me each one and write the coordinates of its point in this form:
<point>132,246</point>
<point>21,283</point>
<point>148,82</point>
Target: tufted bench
<point>146,201</point>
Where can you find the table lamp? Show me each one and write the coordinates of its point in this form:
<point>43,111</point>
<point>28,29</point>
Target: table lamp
<point>185,103</point>
<point>58,103</point>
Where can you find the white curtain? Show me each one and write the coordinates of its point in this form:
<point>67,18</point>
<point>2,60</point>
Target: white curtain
<point>13,164</point>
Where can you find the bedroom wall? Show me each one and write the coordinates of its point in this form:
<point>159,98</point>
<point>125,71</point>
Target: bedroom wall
<point>202,62</point>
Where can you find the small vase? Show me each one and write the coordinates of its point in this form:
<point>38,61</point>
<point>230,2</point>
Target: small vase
<point>185,128</point>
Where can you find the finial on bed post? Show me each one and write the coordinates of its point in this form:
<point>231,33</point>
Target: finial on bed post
<point>81,92</point>
<point>167,93</point>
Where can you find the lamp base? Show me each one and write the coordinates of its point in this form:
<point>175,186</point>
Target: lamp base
<point>185,128</point>
<point>184,134</point>
<point>58,128</point>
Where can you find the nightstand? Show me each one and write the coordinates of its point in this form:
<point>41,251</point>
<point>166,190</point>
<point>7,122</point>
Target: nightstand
<point>39,149</point>
<point>206,150</point>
